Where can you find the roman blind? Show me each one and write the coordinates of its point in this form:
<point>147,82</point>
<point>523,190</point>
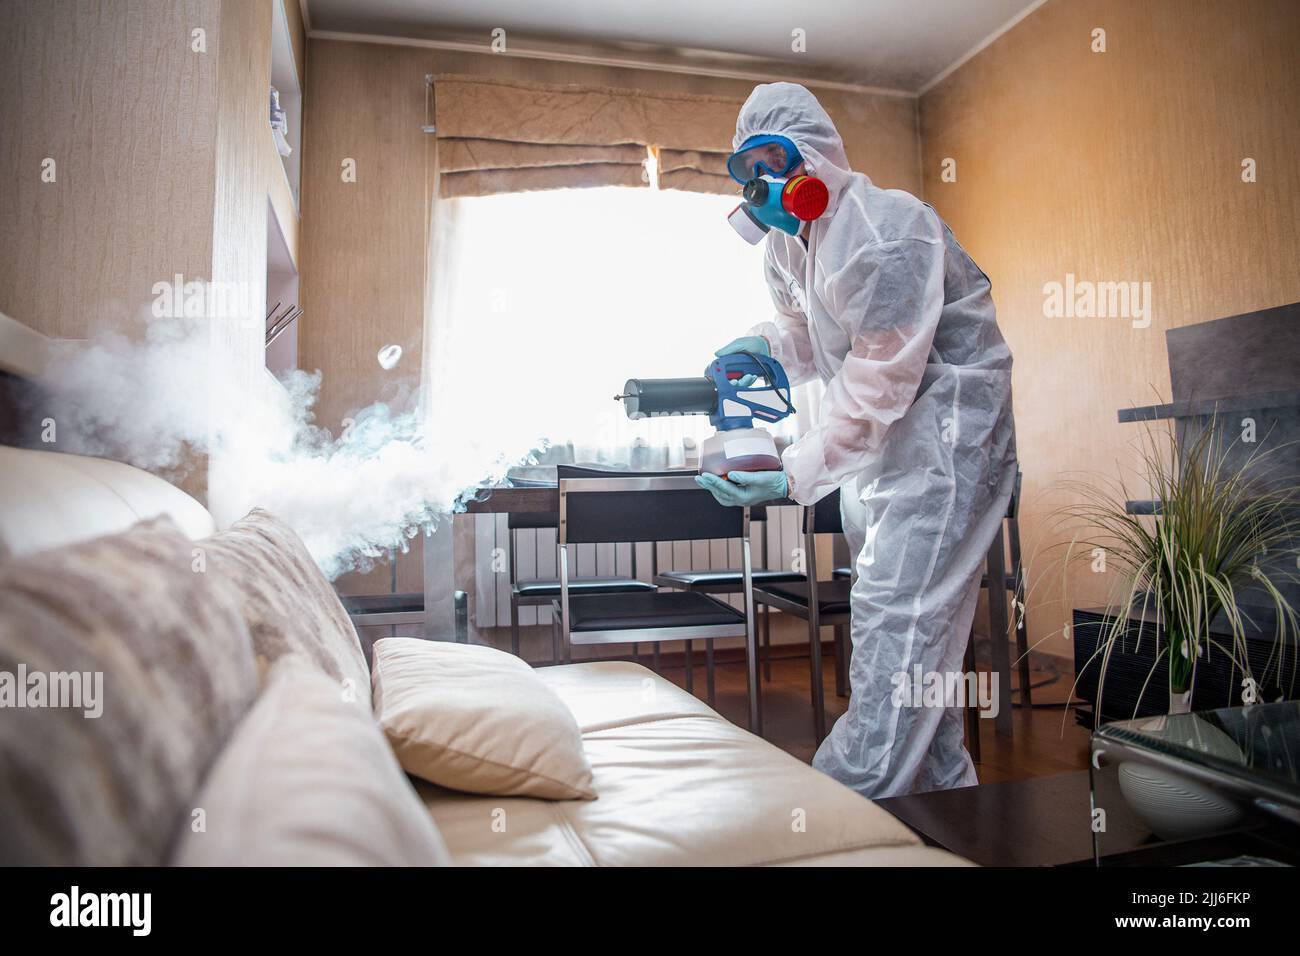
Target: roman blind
<point>498,136</point>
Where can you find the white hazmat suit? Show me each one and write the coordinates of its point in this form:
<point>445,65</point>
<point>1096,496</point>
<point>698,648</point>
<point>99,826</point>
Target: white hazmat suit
<point>916,430</point>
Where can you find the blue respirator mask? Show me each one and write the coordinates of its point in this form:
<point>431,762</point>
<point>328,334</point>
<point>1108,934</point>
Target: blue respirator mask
<point>773,198</point>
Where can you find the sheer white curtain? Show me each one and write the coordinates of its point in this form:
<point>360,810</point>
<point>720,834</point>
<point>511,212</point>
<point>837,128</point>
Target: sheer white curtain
<point>540,305</point>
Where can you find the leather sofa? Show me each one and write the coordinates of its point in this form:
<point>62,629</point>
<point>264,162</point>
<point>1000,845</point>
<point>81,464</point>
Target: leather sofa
<point>677,784</point>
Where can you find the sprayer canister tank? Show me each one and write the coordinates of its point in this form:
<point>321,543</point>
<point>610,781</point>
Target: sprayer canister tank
<point>739,449</point>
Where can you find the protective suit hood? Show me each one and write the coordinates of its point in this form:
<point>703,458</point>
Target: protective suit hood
<point>788,109</point>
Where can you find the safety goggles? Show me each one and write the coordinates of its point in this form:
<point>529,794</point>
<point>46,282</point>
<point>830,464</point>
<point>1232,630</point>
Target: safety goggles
<point>763,156</point>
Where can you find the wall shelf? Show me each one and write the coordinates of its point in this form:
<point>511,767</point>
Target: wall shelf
<point>1233,403</point>
<point>283,218</point>
<point>283,213</point>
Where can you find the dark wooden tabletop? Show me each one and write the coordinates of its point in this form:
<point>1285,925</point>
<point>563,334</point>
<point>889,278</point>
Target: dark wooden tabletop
<point>514,501</point>
<point>1041,821</point>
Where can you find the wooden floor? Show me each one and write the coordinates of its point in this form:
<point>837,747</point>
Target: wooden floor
<point>1045,740</point>
<point>1041,742</point>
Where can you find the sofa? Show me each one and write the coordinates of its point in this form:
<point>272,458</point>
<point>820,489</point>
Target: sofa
<point>675,784</point>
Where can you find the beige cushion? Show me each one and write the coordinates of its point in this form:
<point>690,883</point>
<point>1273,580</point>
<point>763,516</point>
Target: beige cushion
<point>177,674</point>
<point>476,719</point>
<point>288,604</point>
<point>308,780</point>
<point>677,785</point>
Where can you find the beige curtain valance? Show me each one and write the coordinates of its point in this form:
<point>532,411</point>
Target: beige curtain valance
<point>696,171</point>
<point>489,182</point>
<point>508,136</point>
<point>463,155</point>
<point>694,181</point>
<point>713,163</point>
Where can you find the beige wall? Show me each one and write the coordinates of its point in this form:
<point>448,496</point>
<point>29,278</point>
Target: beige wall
<point>113,94</point>
<point>1123,165</point>
<point>245,162</point>
<point>243,167</point>
<point>363,248</point>
<point>362,244</point>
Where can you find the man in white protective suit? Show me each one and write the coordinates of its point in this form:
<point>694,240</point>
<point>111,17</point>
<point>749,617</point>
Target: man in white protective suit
<point>875,297</point>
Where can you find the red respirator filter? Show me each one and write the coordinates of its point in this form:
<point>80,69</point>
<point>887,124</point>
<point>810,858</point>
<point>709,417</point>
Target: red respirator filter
<point>805,197</point>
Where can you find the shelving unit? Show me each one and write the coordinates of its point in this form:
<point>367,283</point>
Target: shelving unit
<point>282,177</point>
<point>286,77</point>
<point>1239,367</point>
<point>1280,398</point>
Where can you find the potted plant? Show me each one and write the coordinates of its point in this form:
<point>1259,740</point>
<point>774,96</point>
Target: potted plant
<point>1220,523</point>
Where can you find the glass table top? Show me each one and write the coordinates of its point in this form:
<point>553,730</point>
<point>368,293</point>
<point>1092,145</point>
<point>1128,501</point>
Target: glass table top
<point>1259,742</point>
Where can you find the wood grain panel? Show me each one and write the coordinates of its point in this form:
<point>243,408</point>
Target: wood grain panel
<point>114,95</point>
<point>362,249</point>
<point>362,243</point>
<point>1116,166</point>
<point>239,219</point>
<point>160,165</point>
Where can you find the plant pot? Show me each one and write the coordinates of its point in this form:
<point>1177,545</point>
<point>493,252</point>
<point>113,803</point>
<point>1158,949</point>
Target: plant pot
<point>1180,703</point>
<point>1175,806</point>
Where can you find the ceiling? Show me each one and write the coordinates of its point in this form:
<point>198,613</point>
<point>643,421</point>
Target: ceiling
<point>896,44</point>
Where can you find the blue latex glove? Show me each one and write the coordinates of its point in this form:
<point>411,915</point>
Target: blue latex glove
<point>745,487</point>
<point>746,343</point>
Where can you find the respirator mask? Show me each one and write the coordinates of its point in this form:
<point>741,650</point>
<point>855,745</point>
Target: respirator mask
<point>772,197</point>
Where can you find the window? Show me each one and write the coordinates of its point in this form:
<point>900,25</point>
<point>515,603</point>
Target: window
<point>547,302</point>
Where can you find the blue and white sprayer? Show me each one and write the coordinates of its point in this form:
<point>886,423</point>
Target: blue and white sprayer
<point>734,391</point>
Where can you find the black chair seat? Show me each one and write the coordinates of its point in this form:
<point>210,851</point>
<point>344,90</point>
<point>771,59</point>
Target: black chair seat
<point>545,587</point>
<point>727,576</point>
<point>842,573</point>
<point>383,603</point>
<point>832,596</point>
<point>622,612</point>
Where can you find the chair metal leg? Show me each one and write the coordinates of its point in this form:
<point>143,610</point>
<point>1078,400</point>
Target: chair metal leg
<point>815,665</point>
<point>972,708</point>
<point>814,632</point>
<point>690,668</point>
<point>514,597</point>
<point>841,660</point>
<point>555,639</point>
<point>1000,649</point>
<point>514,626</point>
<point>767,644</point>
<point>752,677</point>
<point>708,669</point>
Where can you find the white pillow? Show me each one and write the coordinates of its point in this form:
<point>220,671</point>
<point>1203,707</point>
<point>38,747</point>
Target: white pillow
<point>477,719</point>
<point>308,780</point>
